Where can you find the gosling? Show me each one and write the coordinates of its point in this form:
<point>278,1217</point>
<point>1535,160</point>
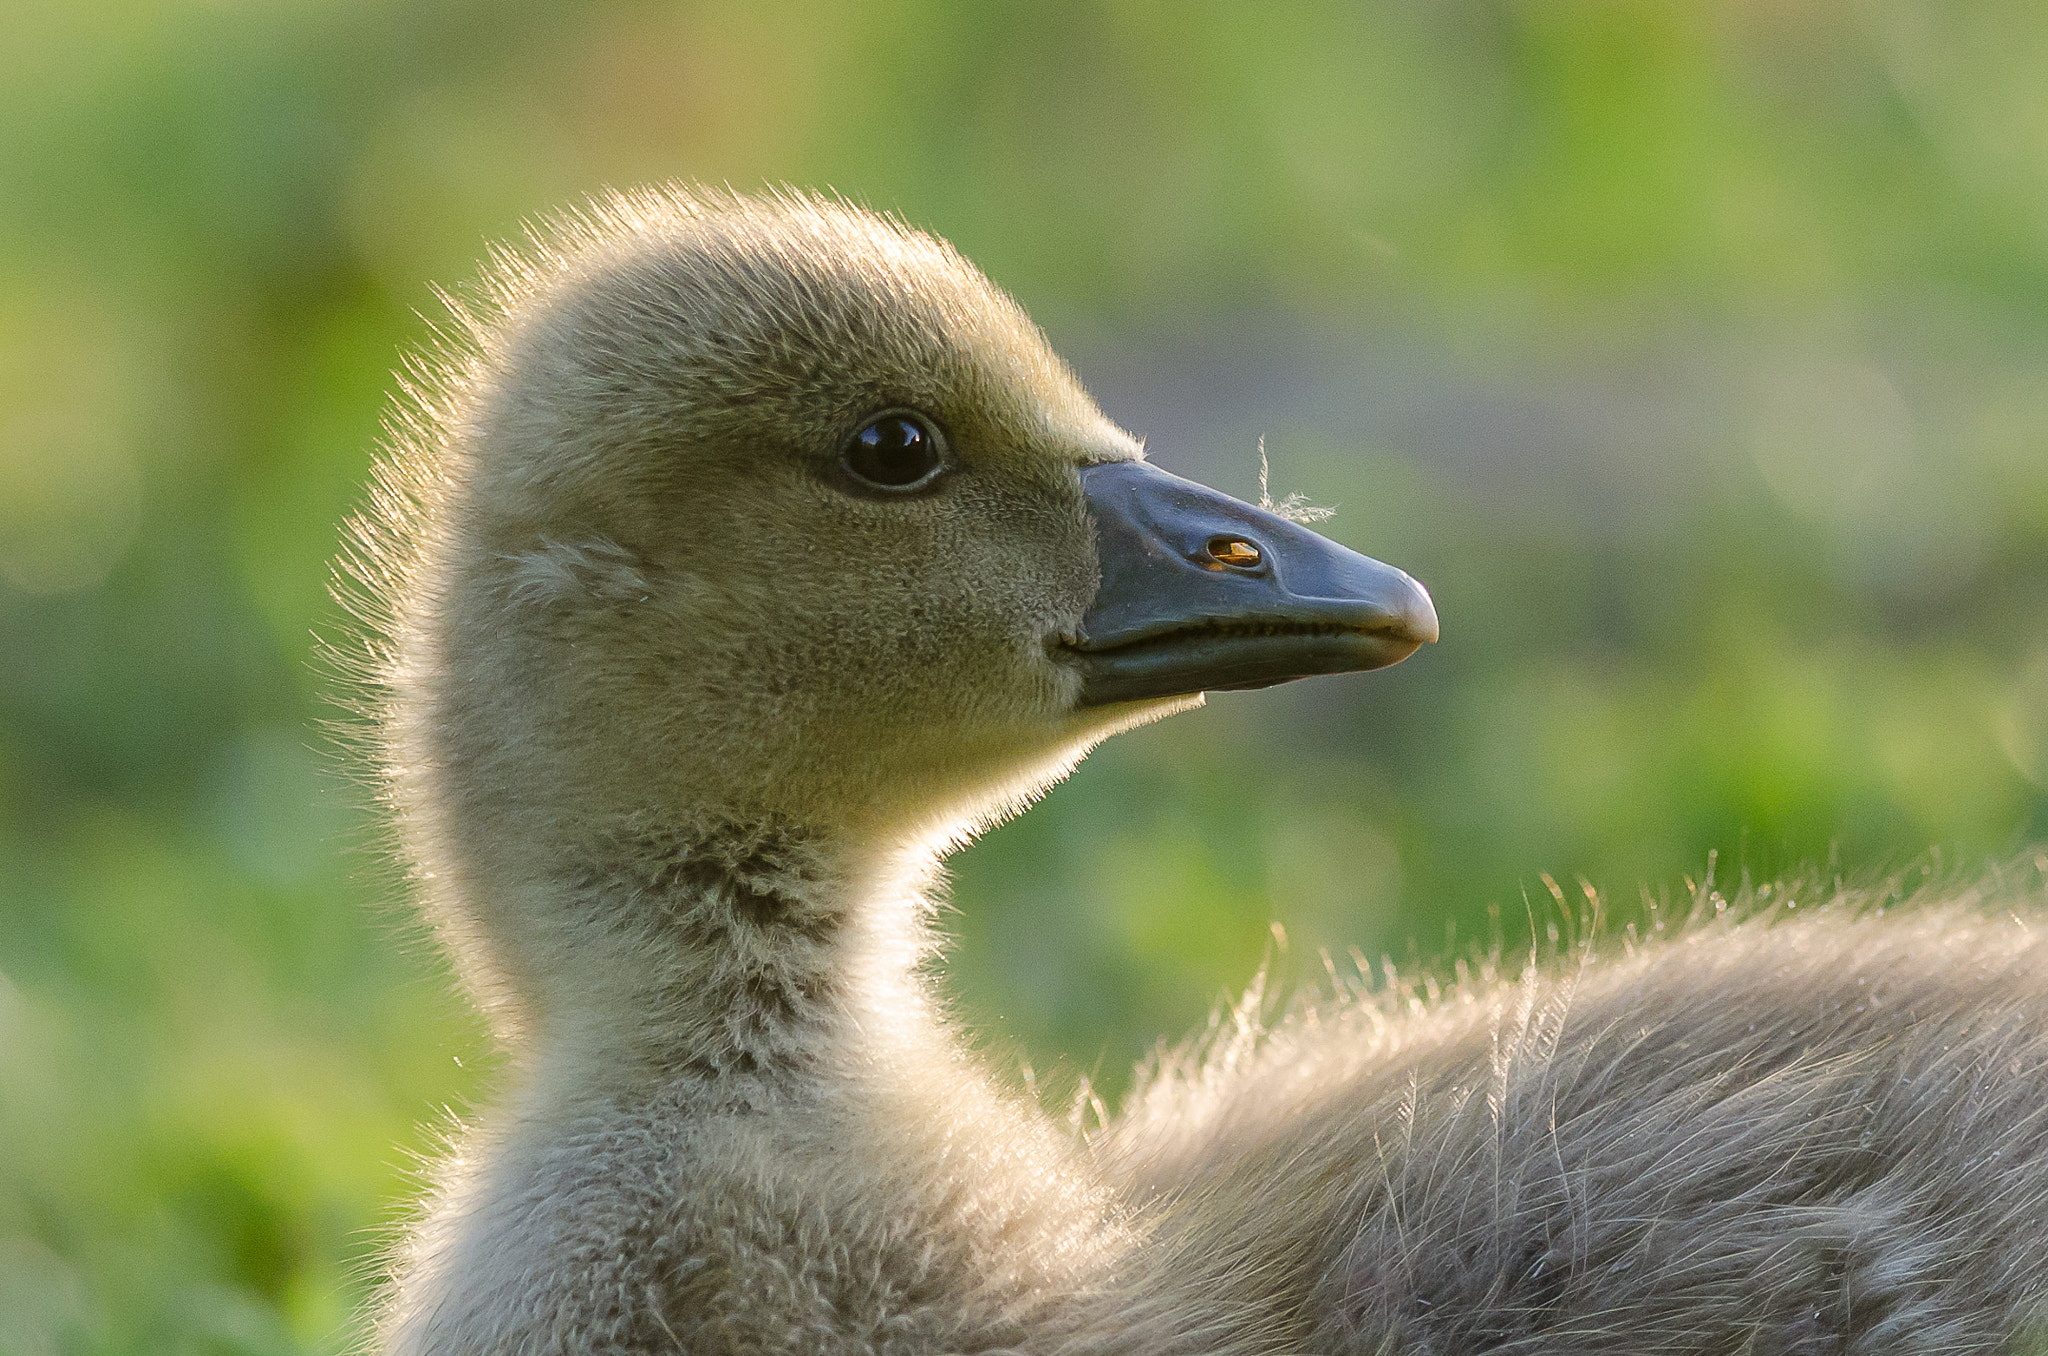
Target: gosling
<point>752,555</point>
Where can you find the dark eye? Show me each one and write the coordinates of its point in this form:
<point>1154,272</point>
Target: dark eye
<point>898,451</point>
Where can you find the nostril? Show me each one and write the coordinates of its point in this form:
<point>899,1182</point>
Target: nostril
<point>1236,552</point>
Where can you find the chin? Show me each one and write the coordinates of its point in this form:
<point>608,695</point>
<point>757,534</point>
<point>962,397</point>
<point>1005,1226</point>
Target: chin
<point>1008,784</point>
<point>1117,717</point>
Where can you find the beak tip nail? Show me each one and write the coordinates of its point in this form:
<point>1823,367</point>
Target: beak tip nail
<point>1421,618</point>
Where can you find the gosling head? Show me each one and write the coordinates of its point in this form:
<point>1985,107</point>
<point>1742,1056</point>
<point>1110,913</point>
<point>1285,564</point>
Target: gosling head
<point>780,510</point>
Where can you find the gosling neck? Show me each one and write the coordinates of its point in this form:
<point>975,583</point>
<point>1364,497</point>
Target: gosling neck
<point>741,960</point>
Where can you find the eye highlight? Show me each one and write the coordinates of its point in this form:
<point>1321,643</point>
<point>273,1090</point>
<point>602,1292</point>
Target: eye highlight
<point>899,452</point>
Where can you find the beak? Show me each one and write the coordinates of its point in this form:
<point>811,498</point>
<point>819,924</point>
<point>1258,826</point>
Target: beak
<point>1202,592</point>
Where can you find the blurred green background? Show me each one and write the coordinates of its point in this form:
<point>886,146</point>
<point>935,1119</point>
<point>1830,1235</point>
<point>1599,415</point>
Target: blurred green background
<point>1696,356</point>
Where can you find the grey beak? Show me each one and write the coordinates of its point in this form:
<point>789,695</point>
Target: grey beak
<point>1202,592</point>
